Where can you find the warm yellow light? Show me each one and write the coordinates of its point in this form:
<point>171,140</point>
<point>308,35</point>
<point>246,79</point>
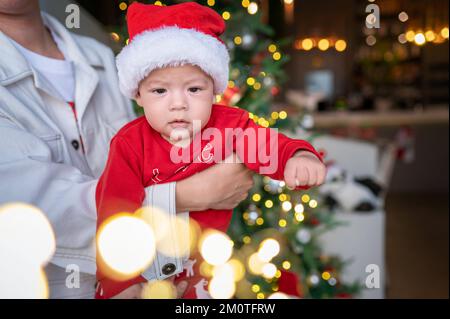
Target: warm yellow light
<point>158,3</point>
<point>260,295</point>
<point>323,44</point>
<point>272,48</point>
<point>340,45</point>
<point>231,84</point>
<point>268,203</point>
<point>252,8</point>
<point>216,247</point>
<point>286,206</point>
<point>222,287</point>
<point>184,228</point>
<point>251,81</point>
<point>282,115</point>
<point>430,36</point>
<point>237,40</point>
<point>206,270</point>
<point>299,217</point>
<point>257,86</point>
<point>419,38</point>
<point>245,3</point>
<point>276,56</point>
<point>299,208</point>
<point>444,32</point>
<point>289,1</point>
<point>326,275</point>
<point>163,289</point>
<point>246,239</point>
<point>211,2</point>
<point>255,288</point>
<point>123,6</point>
<point>278,274</point>
<point>274,115</point>
<point>268,249</point>
<point>313,203</point>
<point>261,121</point>
<point>259,221</point>
<point>218,98</point>
<point>286,265</point>
<point>307,44</point>
<point>238,269</point>
<point>255,264</point>
<point>282,223</point>
<point>256,197</point>
<point>126,246</point>
<point>278,295</point>
<point>25,232</point>
<point>269,270</point>
<point>226,15</point>
<point>410,35</point>
<point>305,198</point>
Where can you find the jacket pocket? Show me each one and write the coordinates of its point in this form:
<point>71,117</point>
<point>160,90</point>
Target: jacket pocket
<point>54,142</point>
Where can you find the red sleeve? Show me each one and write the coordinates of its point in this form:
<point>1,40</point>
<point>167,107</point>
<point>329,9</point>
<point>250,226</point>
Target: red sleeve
<point>119,189</point>
<point>266,151</point>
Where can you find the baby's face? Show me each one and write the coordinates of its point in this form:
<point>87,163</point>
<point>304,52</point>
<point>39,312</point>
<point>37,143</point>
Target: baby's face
<point>173,97</point>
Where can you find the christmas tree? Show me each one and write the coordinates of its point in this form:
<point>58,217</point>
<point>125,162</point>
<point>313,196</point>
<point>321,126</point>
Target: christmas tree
<point>275,231</point>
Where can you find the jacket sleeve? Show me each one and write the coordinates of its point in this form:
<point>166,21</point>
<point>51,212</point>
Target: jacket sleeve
<point>61,191</point>
<point>266,151</point>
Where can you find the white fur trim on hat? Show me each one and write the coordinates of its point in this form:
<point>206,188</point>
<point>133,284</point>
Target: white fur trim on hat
<point>171,46</point>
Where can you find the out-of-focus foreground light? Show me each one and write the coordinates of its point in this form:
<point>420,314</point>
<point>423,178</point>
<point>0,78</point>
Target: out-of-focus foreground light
<point>126,246</point>
<point>215,247</point>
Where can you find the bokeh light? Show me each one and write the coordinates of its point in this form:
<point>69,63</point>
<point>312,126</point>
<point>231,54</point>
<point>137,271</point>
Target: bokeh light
<point>216,247</point>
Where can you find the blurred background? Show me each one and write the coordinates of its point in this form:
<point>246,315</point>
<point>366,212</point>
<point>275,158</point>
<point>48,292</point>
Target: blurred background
<point>366,82</point>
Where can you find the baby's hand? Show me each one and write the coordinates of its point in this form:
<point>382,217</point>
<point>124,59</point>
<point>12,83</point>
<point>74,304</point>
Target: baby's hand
<point>304,169</point>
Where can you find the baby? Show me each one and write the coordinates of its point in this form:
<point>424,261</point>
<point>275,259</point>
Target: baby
<point>173,67</point>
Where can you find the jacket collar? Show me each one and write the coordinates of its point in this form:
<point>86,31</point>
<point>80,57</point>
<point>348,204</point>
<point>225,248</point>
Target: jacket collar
<point>15,67</point>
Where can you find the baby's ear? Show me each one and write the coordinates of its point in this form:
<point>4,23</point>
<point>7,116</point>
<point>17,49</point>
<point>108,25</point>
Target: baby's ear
<point>137,98</point>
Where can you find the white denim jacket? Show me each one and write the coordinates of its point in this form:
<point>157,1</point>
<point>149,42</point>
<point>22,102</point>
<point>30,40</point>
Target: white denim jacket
<point>35,166</point>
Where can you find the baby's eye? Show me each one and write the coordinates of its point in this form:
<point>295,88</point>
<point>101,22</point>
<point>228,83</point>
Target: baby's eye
<point>194,89</point>
<point>159,91</point>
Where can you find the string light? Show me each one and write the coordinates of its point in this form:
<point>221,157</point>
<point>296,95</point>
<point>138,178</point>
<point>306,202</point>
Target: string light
<point>123,6</point>
<point>410,35</point>
<point>255,288</point>
<point>252,8</point>
<point>282,223</point>
<point>256,197</point>
<point>430,36</point>
<point>276,56</point>
<point>260,295</point>
<point>237,40</point>
<point>272,48</point>
<point>444,32</point>
<point>403,16</point>
<point>286,265</point>
<point>226,15</point>
<point>274,115</point>
<point>286,206</point>
<point>305,198</point>
<point>323,44</point>
<point>419,38</point>
<point>313,203</point>
<point>282,115</point>
<point>340,45</point>
<point>371,40</point>
<point>257,86</point>
<point>158,3</point>
<point>299,208</point>
<point>245,3</point>
<point>259,221</point>
<point>326,275</point>
<point>307,44</point>
<point>299,217</point>
<point>268,203</point>
<point>211,2</point>
<point>251,81</point>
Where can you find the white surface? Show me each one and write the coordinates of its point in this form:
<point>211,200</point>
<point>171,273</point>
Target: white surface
<point>363,240</point>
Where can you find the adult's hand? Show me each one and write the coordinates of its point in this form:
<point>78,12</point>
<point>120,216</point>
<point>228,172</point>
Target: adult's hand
<point>222,186</point>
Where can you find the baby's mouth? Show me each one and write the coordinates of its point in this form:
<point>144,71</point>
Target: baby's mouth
<point>179,123</point>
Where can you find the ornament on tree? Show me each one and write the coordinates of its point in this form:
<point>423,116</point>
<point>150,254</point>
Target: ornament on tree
<point>274,91</point>
<point>303,236</point>
<point>313,280</point>
<point>248,40</point>
<point>231,96</point>
<point>274,187</point>
<point>269,81</point>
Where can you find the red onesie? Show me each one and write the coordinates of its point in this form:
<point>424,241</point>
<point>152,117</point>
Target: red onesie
<point>140,157</point>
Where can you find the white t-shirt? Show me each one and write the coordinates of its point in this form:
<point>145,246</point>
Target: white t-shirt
<point>60,74</point>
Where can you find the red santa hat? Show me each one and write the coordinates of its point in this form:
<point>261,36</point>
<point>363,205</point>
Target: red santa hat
<point>162,36</point>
